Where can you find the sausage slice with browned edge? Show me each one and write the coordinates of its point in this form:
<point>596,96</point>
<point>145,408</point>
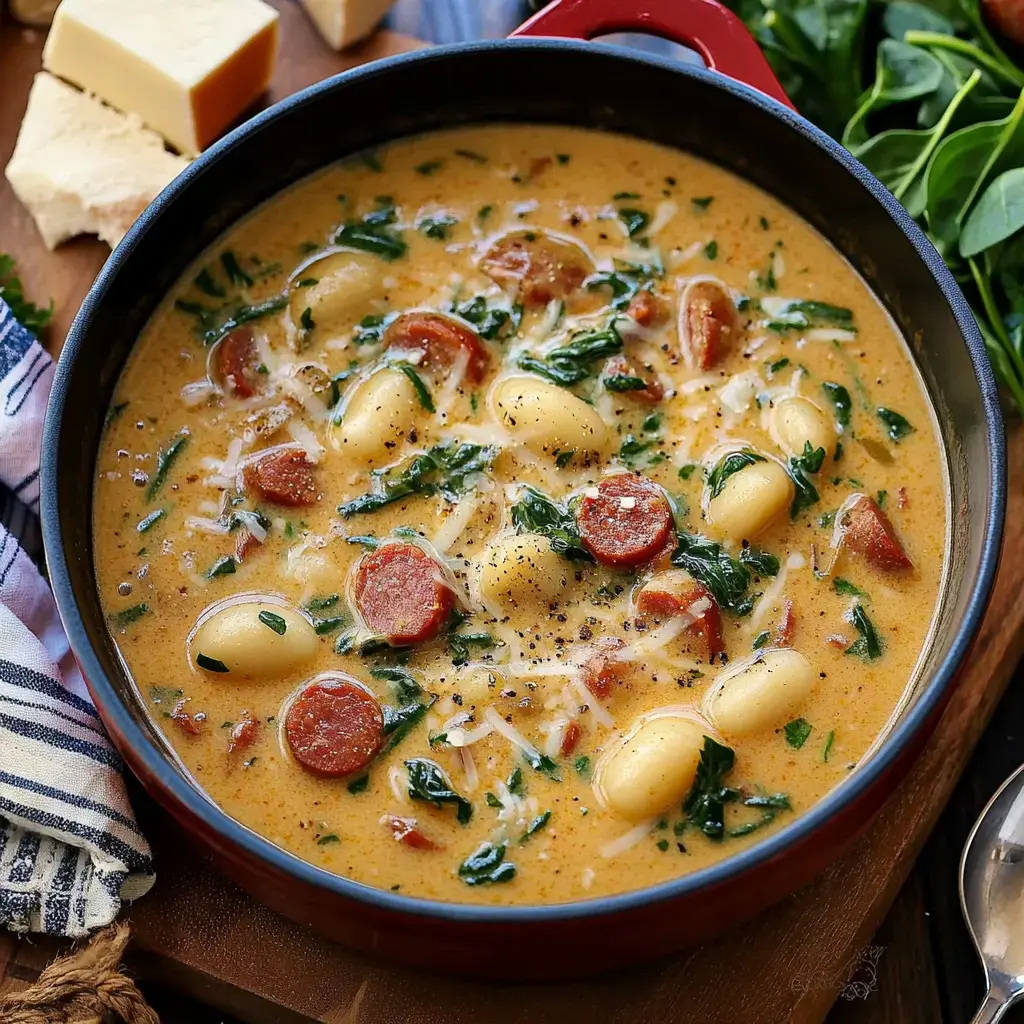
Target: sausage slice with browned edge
<point>401,594</point>
<point>233,364</point>
<point>540,267</point>
<point>675,592</point>
<point>868,533</point>
<point>334,727</point>
<point>434,339</point>
<point>285,477</point>
<point>707,323</point>
<point>626,522</point>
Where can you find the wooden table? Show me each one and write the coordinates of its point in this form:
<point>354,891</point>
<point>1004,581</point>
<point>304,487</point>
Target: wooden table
<point>915,969</point>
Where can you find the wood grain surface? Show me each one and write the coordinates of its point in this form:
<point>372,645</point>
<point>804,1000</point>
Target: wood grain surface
<point>198,932</point>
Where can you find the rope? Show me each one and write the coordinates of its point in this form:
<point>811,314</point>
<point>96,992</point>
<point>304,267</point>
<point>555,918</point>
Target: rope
<point>85,988</point>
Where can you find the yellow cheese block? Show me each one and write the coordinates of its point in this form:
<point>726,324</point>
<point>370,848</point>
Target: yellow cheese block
<point>343,22</point>
<point>83,168</point>
<point>188,68</point>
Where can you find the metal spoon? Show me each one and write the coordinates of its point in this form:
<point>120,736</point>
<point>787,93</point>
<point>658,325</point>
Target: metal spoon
<point>992,896</point>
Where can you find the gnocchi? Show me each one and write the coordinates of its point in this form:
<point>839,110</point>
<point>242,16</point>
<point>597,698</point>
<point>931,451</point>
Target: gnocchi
<point>761,695</point>
<point>331,292</point>
<point>377,417</point>
<point>522,571</point>
<point>653,768</point>
<point>253,639</point>
<point>548,419</point>
<point>750,500</point>
<point>797,422</point>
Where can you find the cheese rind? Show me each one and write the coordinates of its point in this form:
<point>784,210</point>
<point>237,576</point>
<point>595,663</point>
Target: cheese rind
<point>82,168</point>
<point>343,22</point>
<point>188,68</point>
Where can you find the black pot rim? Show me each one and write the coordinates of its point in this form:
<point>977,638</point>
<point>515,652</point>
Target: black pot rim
<point>231,832</point>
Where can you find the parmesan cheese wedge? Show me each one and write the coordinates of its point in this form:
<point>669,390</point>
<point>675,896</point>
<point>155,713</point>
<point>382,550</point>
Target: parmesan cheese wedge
<point>83,168</point>
<point>188,68</point>
<point>343,22</point>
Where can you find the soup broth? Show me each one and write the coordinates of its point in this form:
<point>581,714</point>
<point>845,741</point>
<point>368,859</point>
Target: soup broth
<point>520,514</point>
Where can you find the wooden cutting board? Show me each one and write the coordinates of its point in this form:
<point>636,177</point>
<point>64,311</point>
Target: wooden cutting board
<point>200,933</point>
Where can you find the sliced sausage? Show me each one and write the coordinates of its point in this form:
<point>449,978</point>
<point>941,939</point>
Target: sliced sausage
<point>605,667</point>
<point>539,267</point>
<point>243,733</point>
<point>626,522</point>
<point>406,832</point>
<point>646,309</point>
<point>437,341</point>
<point>572,735</point>
<point>284,477</point>
<point>334,727</point>
<point>621,366</point>
<point>674,593</point>
<point>233,363</point>
<point>189,724</point>
<point>401,594</point>
<point>868,533</point>
<point>707,323</point>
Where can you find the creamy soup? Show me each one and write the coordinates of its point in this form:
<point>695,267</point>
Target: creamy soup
<point>520,515</point>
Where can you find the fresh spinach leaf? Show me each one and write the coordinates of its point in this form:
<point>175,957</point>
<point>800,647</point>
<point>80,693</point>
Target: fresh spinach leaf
<point>487,866</point>
<point>708,563</point>
<point>164,461</point>
<point>535,512</point>
<point>868,646</point>
<point>896,426</point>
<point>704,806</point>
<point>428,781</point>
<point>840,399</point>
<point>375,232</point>
<point>797,732</point>
<point>727,466</point>
<point>447,469</point>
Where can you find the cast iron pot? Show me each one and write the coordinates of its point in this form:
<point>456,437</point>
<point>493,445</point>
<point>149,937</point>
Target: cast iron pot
<point>574,83</point>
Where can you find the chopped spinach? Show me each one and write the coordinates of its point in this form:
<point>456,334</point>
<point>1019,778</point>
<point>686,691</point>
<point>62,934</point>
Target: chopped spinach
<point>405,687</point>
<point>126,616</point>
<point>399,722</point>
<point>727,466</point>
<point>374,232</point>
<point>359,785</point>
<point>704,806</point>
<point>535,826</point>
<point>460,643</point>
<point>428,781</point>
<point>491,322</point>
<point>896,426</point>
<point>235,274</point>
<point>840,399</point>
<point>868,645</point>
<point>805,494</point>
<point>445,469</point>
<point>762,563</point>
<point>428,167</point>
<point>370,330</point>
<point>535,512</point>
<point>422,392</point>
<point>438,227</point>
<point>829,740</point>
<point>623,382</point>
<point>711,250</point>
<point>708,563</point>
<point>846,588</point>
<point>223,566</point>
<point>636,221</point>
<point>582,766</point>
<point>571,363</point>
<point>761,639</point>
<point>274,622</point>
<point>801,314</point>
<point>623,282</point>
<point>211,664</point>
<point>487,866</point>
<point>797,732</point>
<point>702,202</point>
<point>319,604</point>
<point>164,461</point>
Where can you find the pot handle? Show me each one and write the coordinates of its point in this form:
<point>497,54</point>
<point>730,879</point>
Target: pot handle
<point>711,29</point>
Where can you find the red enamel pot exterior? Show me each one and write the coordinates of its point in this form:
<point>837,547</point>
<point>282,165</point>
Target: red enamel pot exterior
<point>748,128</point>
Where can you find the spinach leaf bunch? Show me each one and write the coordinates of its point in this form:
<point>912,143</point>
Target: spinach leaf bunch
<point>924,95</point>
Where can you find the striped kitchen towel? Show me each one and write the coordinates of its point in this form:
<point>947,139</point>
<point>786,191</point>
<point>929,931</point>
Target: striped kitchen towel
<point>70,850</point>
